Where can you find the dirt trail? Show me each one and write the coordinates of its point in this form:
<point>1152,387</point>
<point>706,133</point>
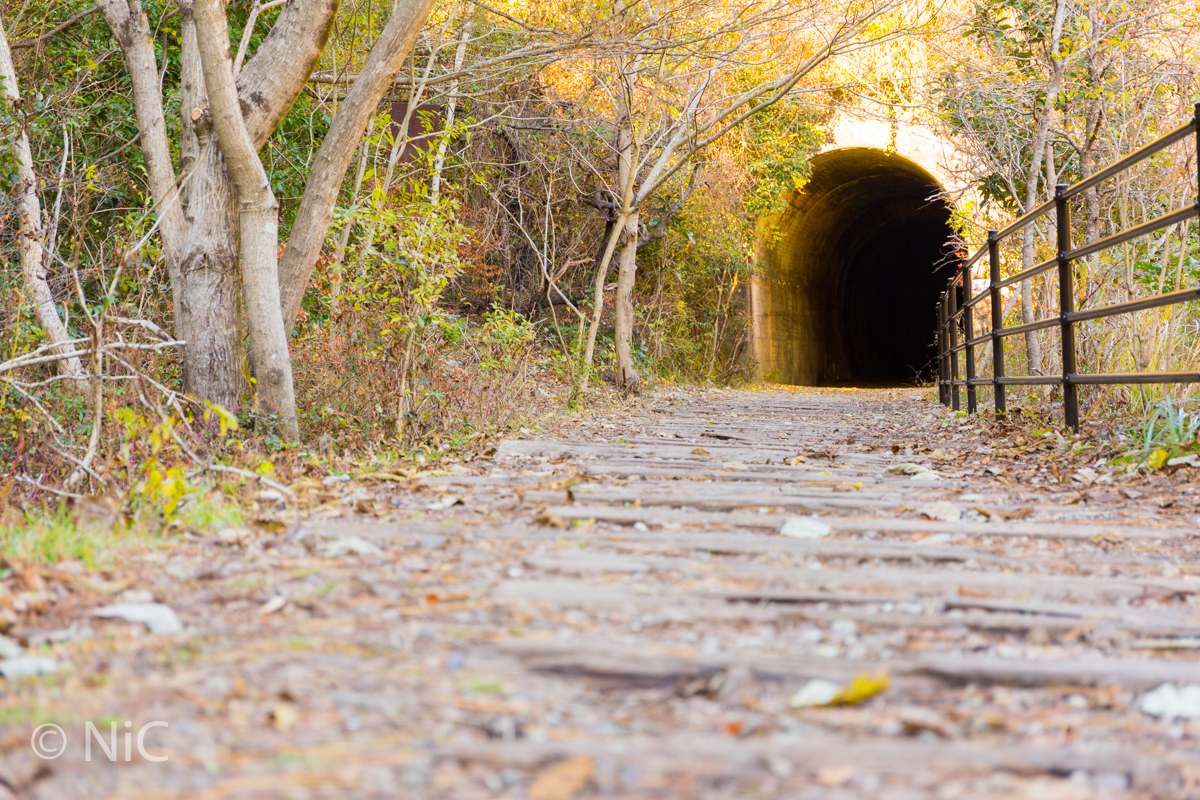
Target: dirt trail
<point>620,616</point>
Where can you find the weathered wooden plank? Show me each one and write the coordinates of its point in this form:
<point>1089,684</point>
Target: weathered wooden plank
<point>1046,530</point>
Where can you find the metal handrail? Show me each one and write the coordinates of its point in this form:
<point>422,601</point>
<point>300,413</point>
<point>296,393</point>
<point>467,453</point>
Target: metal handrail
<point>953,311</point>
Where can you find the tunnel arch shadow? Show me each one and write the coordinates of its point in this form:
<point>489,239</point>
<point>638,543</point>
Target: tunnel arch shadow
<point>851,274</point>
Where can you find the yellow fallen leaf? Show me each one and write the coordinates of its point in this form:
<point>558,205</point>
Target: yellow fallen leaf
<point>562,781</point>
<point>699,451</point>
<point>863,686</point>
<point>284,715</point>
<point>1157,459</point>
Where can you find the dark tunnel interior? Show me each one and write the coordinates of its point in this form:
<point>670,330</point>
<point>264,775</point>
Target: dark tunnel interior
<point>853,273</point>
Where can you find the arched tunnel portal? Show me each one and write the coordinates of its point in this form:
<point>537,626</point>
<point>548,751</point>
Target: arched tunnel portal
<point>853,270</point>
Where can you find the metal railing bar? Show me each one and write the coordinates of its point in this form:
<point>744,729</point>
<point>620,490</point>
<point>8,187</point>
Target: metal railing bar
<point>1025,220</point>
<point>1036,325</point>
<point>1170,298</point>
<point>980,382</point>
<point>1139,230</point>
<point>1136,377</point>
<point>1030,380</point>
<point>1128,161</point>
<point>1029,273</point>
<point>978,340</point>
<point>976,299</point>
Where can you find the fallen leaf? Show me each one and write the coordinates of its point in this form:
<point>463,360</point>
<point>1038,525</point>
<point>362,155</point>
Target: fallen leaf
<point>441,505</point>
<point>564,780</point>
<point>1107,540</point>
<point>917,719</point>
<point>834,776</point>
<point>1169,701</point>
<point>863,685</point>
<point>284,715</point>
<point>967,591</point>
<point>276,603</point>
<point>1157,459</point>
<point>914,470</point>
<point>815,693</point>
<point>550,520</point>
<point>699,451</point>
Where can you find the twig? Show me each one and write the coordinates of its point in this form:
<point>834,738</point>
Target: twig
<point>52,490</point>
<point>60,27</point>
<point>245,473</point>
<point>249,29</point>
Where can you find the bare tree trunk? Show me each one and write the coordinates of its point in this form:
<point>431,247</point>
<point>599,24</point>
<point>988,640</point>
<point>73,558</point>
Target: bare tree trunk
<point>337,150</point>
<point>198,224</point>
<point>29,212</point>
<point>627,376</point>
<point>625,178</point>
<point>258,215</point>
<point>439,158</point>
<point>1041,137</point>
<point>207,311</point>
<point>627,151</point>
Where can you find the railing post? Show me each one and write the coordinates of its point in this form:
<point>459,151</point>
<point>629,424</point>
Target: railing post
<point>943,395</point>
<point>997,324</point>
<point>952,341</point>
<point>969,332</point>
<point>1066,304</point>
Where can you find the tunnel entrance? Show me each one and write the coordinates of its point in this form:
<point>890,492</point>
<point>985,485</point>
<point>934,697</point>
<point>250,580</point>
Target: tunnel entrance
<point>852,274</point>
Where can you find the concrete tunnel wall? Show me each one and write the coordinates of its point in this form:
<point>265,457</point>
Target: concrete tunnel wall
<point>852,271</point>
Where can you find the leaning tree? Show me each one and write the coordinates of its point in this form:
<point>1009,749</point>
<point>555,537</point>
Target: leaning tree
<point>216,214</point>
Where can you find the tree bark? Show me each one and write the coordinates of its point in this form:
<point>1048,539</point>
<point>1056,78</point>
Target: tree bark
<point>258,217</point>
<point>627,375</point>
<point>337,150</point>
<point>29,213</point>
<point>627,152</point>
<point>131,28</point>
<point>198,223</point>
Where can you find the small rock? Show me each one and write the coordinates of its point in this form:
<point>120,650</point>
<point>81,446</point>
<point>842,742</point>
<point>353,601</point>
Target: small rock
<point>805,528</point>
<point>235,536</point>
<point>10,648</point>
<point>27,666</point>
<point>135,596</point>
<point>160,619</point>
<point>942,510</point>
<point>270,495</point>
<point>349,544</point>
<point>334,480</point>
